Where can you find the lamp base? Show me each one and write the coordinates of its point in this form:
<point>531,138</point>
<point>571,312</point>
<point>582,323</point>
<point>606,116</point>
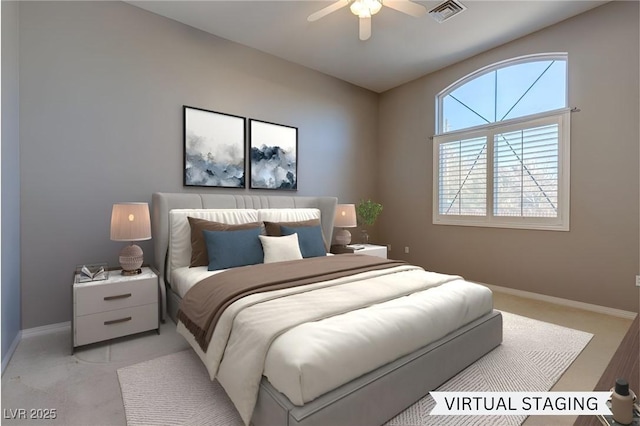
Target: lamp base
<point>131,258</point>
<point>343,237</point>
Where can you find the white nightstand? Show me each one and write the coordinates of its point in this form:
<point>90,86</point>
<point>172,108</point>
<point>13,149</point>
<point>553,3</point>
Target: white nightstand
<point>370,249</point>
<point>118,306</point>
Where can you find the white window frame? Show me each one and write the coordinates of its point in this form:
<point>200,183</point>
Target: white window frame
<point>536,57</point>
<point>559,116</point>
<point>559,223</point>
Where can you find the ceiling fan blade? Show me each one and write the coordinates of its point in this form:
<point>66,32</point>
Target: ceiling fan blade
<point>327,10</point>
<point>365,28</point>
<point>406,6</point>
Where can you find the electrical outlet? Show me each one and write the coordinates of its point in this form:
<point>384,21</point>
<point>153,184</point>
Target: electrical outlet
<point>388,247</point>
<point>406,249</point>
<point>637,280</point>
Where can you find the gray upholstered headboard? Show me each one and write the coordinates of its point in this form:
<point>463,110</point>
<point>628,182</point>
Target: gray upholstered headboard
<point>163,202</point>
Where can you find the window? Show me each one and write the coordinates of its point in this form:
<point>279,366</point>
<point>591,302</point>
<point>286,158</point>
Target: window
<point>501,153</point>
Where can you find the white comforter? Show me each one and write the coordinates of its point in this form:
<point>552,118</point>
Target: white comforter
<point>315,358</point>
<point>238,352</point>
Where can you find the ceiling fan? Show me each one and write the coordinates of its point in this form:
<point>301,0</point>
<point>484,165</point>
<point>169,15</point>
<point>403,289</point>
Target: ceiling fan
<point>365,9</point>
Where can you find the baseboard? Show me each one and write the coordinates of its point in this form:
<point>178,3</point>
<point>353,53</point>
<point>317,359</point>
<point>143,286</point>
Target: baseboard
<point>564,302</point>
<point>12,349</point>
<point>32,332</point>
<point>46,329</point>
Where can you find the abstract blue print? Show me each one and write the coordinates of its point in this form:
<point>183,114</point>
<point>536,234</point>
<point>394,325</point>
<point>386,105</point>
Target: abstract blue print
<point>213,149</point>
<point>273,156</point>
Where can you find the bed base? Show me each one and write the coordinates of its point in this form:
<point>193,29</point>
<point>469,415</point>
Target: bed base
<point>378,396</point>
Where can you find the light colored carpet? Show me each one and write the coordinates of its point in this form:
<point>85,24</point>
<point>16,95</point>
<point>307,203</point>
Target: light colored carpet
<point>175,389</point>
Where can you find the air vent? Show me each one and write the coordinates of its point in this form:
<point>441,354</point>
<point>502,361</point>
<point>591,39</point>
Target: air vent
<point>446,10</point>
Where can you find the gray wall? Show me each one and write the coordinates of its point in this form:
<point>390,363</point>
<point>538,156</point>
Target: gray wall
<point>10,178</point>
<point>102,86</point>
<point>596,262</point>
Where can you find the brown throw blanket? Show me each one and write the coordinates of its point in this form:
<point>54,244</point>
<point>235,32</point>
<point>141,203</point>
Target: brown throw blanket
<point>205,302</point>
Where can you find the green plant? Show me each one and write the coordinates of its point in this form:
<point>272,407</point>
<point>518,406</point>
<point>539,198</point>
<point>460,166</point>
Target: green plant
<point>368,211</point>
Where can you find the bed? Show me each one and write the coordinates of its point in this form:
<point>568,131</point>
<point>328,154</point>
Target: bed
<point>333,377</point>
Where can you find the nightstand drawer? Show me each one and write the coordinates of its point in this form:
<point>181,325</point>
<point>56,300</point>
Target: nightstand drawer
<point>101,298</point>
<point>118,323</point>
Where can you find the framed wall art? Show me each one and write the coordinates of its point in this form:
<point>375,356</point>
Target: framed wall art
<point>273,156</point>
<point>214,149</point>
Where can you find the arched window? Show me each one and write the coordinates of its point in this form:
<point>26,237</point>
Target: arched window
<point>501,150</point>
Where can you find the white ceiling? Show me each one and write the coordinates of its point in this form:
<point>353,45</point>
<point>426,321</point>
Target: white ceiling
<point>401,48</point>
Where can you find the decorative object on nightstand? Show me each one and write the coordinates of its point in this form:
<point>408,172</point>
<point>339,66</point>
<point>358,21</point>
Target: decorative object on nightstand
<point>92,272</point>
<point>341,249</point>
<point>117,306</point>
<point>367,212</point>
<point>345,218</point>
<point>130,222</point>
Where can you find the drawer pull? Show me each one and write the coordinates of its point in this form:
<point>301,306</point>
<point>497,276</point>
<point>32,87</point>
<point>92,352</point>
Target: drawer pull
<point>120,296</point>
<point>117,321</point>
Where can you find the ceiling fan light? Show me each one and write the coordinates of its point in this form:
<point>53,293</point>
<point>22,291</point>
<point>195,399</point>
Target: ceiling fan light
<point>374,6</point>
<point>356,7</point>
<point>365,8</point>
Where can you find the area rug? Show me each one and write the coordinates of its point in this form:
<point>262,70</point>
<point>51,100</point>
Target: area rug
<point>175,389</point>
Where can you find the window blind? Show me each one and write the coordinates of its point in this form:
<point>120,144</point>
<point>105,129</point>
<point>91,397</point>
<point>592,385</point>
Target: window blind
<point>509,175</point>
<point>462,177</point>
<point>525,172</point>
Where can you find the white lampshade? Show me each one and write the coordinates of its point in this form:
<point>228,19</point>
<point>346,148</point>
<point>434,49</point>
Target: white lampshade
<point>345,216</point>
<point>130,222</point>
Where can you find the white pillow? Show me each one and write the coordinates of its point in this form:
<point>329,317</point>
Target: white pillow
<point>287,215</point>
<point>279,249</point>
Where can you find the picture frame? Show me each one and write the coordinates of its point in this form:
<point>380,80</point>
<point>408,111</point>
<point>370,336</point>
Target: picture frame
<point>214,149</point>
<point>273,156</point>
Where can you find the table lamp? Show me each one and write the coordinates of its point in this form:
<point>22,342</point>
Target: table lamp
<point>130,222</point>
<point>345,218</point>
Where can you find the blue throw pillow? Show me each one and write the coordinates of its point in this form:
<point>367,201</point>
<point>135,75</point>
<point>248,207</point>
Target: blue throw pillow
<point>309,239</point>
<point>229,249</point>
